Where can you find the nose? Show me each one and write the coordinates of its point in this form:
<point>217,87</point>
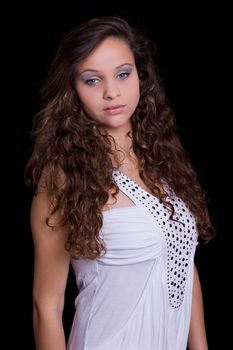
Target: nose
<point>111,90</point>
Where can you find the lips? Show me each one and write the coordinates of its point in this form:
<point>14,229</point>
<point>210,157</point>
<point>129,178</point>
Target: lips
<point>114,109</point>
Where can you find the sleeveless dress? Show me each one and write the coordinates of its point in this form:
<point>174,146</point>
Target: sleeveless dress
<point>138,295</point>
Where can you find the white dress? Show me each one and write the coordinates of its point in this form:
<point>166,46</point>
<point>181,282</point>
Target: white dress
<point>138,295</point>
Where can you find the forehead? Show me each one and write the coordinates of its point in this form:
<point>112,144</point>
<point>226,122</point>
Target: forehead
<point>110,52</point>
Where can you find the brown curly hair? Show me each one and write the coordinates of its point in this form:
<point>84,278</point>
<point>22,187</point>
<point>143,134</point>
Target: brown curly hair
<point>68,142</point>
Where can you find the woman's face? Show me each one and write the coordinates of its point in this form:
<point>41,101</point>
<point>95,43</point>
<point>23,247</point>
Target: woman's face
<point>107,84</point>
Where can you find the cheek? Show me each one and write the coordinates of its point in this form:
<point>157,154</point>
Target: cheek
<point>134,94</point>
<point>82,95</point>
<point>134,90</point>
<point>86,97</point>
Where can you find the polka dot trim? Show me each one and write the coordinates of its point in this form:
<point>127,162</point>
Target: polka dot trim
<point>180,235</point>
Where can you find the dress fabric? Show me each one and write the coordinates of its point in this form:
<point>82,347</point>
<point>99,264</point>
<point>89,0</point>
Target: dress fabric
<point>138,295</point>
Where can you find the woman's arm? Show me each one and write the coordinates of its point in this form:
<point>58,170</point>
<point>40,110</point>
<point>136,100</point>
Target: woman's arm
<point>197,334</point>
<point>51,267</point>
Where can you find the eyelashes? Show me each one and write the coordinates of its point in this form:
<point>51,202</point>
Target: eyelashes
<point>123,75</point>
<point>92,81</point>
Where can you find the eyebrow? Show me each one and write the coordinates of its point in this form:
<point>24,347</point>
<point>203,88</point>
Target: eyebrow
<point>96,71</point>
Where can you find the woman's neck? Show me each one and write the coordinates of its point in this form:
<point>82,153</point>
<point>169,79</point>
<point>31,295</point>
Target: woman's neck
<point>124,156</point>
<point>124,153</point>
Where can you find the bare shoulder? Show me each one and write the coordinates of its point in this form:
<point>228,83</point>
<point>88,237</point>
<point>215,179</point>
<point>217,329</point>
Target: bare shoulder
<point>51,259</point>
<point>41,208</point>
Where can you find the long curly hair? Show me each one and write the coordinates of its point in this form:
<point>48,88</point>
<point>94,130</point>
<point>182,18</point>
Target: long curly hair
<point>68,142</point>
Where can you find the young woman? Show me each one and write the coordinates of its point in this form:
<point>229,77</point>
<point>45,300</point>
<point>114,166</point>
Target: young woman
<point>115,196</point>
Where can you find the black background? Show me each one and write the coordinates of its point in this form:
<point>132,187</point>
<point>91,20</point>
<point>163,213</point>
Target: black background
<point>193,55</point>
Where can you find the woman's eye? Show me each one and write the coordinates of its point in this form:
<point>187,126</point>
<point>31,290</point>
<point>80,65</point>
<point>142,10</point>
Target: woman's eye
<point>123,75</point>
<point>92,81</point>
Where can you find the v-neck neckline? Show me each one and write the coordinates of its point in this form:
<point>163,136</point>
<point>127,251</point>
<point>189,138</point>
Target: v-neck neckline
<point>134,182</point>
